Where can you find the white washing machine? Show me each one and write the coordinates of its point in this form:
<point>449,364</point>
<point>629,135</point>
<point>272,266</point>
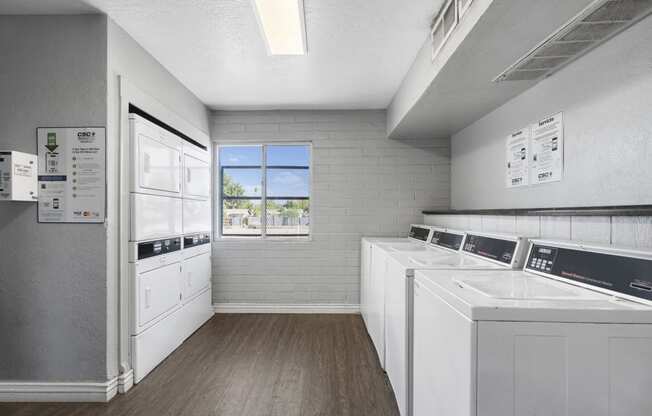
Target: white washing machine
<point>569,335</point>
<point>366,256</point>
<point>418,238</point>
<point>155,276</point>
<point>196,274</point>
<point>372,283</point>
<point>478,252</point>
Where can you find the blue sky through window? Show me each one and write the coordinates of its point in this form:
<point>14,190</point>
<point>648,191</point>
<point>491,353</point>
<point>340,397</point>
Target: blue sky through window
<point>288,182</point>
<point>241,155</point>
<point>280,182</point>
<point>288,155</point>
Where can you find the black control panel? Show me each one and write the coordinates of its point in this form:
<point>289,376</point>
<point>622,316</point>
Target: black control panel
<point>419,233</point>
<point>491,248</point>
<point>627,275</point>
<point>196,240</point>
<point>447,240</point>
<point>158,247</point>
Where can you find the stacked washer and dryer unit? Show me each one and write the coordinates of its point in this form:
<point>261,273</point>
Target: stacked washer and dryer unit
<point>170,242</point>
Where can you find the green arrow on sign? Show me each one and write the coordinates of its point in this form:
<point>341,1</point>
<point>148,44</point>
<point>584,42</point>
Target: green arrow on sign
<point>52,142</point>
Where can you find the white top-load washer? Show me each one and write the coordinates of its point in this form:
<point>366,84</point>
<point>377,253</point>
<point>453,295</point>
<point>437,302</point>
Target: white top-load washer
<point>478,251</point>
<point>569,335</point>
<point>418,237</point>
<point>371,289</point>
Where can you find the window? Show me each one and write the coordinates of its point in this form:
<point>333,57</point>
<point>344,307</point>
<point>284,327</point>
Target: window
<point>265,190</point>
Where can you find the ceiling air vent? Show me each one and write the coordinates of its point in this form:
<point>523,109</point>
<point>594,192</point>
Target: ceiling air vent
<point>600,21</point>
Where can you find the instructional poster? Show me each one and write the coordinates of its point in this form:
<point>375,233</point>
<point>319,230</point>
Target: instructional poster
<point>517,148</point>
<point>547,163</point>
<point>71,174</point>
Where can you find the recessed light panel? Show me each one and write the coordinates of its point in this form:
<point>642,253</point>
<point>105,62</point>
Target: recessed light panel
<point>283,26</point>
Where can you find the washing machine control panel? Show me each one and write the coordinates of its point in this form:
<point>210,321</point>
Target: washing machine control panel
<point>196,240</point>
<point>419,233</point>
<point>447,240</point>
<point>616,273</point>
<point>490,248</point>
<point>158,247</point>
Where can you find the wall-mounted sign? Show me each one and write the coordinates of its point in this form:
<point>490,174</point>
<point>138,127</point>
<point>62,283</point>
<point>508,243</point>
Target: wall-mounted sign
<point>547,150</point>
<point>71,174</point>
<point>518,156</point>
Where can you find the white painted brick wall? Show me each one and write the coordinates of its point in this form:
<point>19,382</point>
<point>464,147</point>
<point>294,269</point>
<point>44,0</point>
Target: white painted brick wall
<point>363,185</point>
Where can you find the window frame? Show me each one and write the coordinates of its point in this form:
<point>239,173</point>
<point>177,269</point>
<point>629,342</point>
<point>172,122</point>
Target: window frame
<point>219,203</point>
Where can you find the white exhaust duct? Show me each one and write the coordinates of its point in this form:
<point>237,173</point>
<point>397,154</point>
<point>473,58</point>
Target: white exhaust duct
<point>600,21</point>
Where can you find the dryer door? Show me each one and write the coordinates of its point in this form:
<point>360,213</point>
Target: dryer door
<point>196,177</point>
<point>159,167</point>
<point>196,216</point>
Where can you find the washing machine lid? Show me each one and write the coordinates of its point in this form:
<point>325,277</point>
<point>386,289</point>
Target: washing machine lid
<point>418,236</point>
<point>440,259</point>
<point>438,239</point>
<point>509,295</point>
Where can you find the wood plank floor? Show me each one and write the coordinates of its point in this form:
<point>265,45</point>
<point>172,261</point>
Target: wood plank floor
<point>251,365</point>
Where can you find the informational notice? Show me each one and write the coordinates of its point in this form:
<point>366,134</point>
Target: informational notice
<point>547,163</point>
<point>518,156</point>
<point>72,174</point>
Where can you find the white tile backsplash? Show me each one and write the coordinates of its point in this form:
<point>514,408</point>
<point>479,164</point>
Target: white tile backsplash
<point>499,224</point>
<point>619,231</point>
<point>591,229</point>
<point>558,228</point>
<point>632,231</point>
<point>528,226</point>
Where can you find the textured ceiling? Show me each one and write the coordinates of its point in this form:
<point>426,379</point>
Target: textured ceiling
<point>358,50</point>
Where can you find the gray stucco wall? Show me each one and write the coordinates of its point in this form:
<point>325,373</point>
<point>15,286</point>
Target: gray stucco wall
<point>605,97</point>
<point>52,276</point>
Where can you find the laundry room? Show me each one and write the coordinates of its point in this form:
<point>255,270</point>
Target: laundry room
<point>319,207</point>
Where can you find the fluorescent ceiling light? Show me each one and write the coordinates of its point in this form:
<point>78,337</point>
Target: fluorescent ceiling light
<point>283,27</point>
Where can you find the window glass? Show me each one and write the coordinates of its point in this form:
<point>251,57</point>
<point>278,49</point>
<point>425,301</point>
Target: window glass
<point>287,183</point>
<point>241,155</point>
<point>241,182</point>
<point>288,217</point>
<point>288,155</point>
<point>264,190</point>
<point>241,217</point>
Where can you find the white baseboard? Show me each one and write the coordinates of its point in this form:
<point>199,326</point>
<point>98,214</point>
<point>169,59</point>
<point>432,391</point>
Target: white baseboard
<point>317,308</point>
<point>125,381</point>
<point>57,391</point>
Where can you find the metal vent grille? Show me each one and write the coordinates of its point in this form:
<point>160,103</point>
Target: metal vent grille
<point>594,25</point>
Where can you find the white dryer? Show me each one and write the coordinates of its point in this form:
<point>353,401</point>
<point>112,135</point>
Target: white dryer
<point>196,172</point>
<point>372,282</point>
<point>571,335</point>
<point>155,159</point>
<point>478,252</point>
